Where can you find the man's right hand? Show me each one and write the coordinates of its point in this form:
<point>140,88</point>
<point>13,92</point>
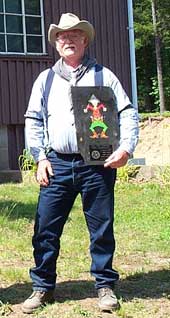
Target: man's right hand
<point>44,170</point>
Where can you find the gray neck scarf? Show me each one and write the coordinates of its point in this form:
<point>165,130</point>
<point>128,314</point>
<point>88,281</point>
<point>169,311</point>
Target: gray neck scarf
<point>65,72</point>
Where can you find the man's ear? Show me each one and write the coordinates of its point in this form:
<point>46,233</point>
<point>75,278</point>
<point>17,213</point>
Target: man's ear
<point>56,46</point>
<point>86,42</point>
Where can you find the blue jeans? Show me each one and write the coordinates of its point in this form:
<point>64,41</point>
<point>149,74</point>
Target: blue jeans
<point>96,186</point>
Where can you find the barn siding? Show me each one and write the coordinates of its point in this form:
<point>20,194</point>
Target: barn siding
<point>16,79</point>
<point>15,148</point>
<point>17,73</point>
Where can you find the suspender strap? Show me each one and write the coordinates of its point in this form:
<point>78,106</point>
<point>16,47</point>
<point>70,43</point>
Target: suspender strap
<point>47,88</point>
<point>98,77</point>
<point>48,84</point>
<point>98,80</point>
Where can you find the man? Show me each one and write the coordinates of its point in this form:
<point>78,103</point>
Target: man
<point>62,172</point>
<point>95,107</point>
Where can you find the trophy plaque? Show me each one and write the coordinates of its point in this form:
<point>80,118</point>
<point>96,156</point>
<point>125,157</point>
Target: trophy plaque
<point>96,121</point>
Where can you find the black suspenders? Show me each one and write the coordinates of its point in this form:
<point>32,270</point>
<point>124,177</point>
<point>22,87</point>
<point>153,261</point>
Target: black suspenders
<point>98,80</point>
<point>98,75</point>
<point>48,84</point>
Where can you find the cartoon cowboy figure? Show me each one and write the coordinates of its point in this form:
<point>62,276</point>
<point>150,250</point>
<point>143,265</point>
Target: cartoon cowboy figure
<point>95,106</point>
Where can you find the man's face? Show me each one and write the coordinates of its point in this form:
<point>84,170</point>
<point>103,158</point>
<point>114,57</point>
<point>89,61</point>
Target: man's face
<point>71,44</point>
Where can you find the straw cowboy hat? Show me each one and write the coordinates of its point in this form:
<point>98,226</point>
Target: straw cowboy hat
<point>69,21</point>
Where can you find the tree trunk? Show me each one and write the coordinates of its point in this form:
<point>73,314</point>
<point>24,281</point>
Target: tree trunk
<point>158,58</point>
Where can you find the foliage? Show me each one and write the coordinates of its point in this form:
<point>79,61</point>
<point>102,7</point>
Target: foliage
<point>143,23</point>
<point>26,161</point>
<point>163,174</point>
<point>146,116</point>
<point>163,15</point>
<point>5,309</point>
<point>155,92</point>
<point>27,166</point>
<point>127,172</point>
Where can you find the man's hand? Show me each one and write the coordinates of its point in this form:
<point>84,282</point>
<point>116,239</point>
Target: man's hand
<point>44,170</point>
<point>117,159</point>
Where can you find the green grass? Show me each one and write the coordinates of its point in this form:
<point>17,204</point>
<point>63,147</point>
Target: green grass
<point>142,231</point>
<point>145,116</point>
<point>143,215</point>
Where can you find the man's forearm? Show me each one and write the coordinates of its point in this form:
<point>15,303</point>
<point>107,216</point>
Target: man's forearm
<point>129,129</point>
<point>35,138</point>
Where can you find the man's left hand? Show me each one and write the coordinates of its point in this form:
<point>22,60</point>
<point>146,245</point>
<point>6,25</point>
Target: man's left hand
<point>117,159</point>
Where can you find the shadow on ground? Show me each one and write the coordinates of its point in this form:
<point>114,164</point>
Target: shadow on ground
<point>154,284</point>
<point>69,290</point>
<point>14,210</point>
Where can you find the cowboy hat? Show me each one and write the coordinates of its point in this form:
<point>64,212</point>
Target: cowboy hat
<point>69,21</point>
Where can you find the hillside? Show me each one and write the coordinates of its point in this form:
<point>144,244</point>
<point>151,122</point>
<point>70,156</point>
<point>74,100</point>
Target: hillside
<point>154,141</point>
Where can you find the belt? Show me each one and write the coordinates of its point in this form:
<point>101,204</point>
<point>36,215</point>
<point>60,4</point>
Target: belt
<point>69,156</point>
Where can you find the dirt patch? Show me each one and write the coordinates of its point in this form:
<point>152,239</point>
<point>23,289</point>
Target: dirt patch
<point>154,142</point>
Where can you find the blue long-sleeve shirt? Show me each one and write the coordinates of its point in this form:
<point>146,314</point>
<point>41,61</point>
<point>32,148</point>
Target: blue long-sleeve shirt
<point>60,119</point>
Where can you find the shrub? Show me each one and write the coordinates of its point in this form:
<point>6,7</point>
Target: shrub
<point>127,172</point>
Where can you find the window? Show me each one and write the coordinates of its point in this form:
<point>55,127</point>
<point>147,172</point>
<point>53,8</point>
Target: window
<point>22,27</point>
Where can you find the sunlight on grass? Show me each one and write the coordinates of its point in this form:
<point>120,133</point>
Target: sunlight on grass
<point>143,217</point>
<point>13,274</point>
<point>142,231</point>
<point>5,309</point>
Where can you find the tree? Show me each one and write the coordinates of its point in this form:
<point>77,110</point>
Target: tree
<point>158,57</point>
<point>146,52</point>
<point>145,59</point>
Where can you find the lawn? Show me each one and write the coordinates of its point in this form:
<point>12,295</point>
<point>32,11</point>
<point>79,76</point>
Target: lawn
<point>142,231</point>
